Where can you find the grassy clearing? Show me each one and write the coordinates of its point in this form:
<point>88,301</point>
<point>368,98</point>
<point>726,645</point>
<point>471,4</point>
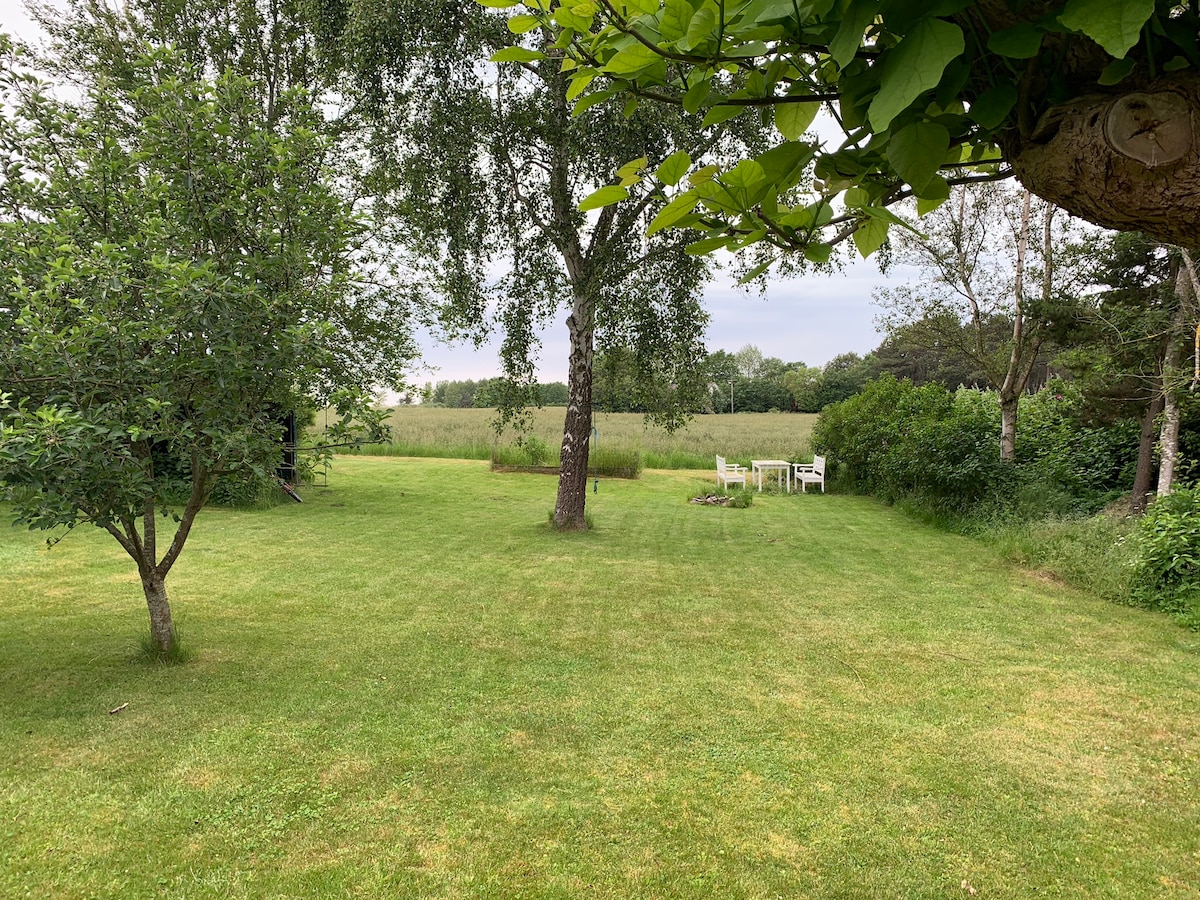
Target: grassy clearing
<point>409,686</point>
<point>467,434</point>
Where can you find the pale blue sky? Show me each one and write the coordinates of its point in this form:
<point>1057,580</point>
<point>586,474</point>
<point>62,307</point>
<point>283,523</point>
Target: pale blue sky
<point>810,319</point>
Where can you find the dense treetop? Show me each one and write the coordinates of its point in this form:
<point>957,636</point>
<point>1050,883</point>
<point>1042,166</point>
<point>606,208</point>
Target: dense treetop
<point>1089,103</point>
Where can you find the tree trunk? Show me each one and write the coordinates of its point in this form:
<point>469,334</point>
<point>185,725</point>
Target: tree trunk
<point>162,628</point>
<point>1008,426</point>
<point>1168,443</point>
<point>577,429</point>
<point>1145,463</point>
<point>1128,160</point>
<point>1172,378</point>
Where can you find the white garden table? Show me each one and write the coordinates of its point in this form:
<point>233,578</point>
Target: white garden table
<point>781,467</point>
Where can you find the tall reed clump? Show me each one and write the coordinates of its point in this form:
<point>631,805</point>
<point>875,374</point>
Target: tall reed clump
<point>603,461</point>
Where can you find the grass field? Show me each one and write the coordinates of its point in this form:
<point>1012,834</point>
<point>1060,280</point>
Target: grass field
<point>467,434</point>
<point>409,686</point>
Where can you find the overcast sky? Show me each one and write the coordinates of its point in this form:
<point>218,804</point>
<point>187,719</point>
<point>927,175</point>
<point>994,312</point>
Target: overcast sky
<point>810,319</point>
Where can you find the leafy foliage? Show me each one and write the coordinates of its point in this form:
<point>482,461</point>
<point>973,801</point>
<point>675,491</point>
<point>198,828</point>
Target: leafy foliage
<point>178,273</point>
<point>1167,570</point>
<point>937,449</point>
<point>924,96</point>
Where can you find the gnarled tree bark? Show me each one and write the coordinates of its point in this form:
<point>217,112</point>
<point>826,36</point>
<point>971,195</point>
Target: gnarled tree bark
<point>1128,161</point>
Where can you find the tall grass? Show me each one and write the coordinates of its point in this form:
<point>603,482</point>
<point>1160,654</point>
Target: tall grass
<point>1091,553</point>
<point>468,434</point>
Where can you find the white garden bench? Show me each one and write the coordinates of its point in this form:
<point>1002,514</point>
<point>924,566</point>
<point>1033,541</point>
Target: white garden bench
<point>728,473</point>
<point>810,473</point>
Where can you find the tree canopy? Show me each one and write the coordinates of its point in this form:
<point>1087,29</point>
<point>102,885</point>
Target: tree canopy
<point>178,272</point>
<point>480,172</point>
<point>1093,105</point>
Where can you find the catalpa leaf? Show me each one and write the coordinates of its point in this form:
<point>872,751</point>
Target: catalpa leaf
<point>580,82</point>
<point>994,105</point>
<point>676,17</point>
<point>606,196</point>
<point>633,59</point>
<point>917,151</point>
<point>793,119</point>
<point>913,67</point>
<point>632,167</point>
<point>870,235</point>
<point>695,96</point>
<point>568,18</point>
<point>1019,42</point>
<point>707,245</point>
<point>719,114</point>
<point>677,209</point>
<point>756,271</point>
<point>516,54</point>
<point>1113,24</point>
<point>818,253</point>
<point>850,33</point>
<point>701,29</point>
<point>522,24</point>
<point>673,168</point>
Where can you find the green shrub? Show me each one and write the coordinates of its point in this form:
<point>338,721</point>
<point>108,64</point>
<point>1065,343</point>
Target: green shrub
<point>1058,446</point>
<point>1166,573</point>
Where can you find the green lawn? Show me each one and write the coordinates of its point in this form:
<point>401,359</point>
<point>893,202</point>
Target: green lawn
<point>409,687</point>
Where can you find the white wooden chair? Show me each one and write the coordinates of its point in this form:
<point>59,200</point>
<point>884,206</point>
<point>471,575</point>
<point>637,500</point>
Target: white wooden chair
<point>810,473</point>
<point>728,473</point>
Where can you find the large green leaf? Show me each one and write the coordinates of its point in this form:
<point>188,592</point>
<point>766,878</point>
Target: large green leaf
<point>606,196</point>
<point>784,163</point>
<point>569,18</point>
<point>696,95</point>
<point>719,114</point>
<point>677,209</point>
<point>702,28</point>
<point>850,33</point>
<point>917,151</point>
<point>870,235</point>
<point>1113,24</point>
<point>580,83</point>
<point>913,67</point>
<point>516,54</point>
<point>522,24</point>
<point>677,15</point>
<point>633,59</point>
<point>674,167</point>
<point>994,105</point>
<point>793,119</point>
<point>1019,42</point>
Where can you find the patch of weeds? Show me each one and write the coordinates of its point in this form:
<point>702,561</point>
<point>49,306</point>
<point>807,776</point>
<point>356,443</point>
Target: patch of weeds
<point>732,499</point>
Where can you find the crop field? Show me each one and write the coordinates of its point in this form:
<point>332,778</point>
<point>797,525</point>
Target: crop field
<point>468,434</point>
<point>410,686</point>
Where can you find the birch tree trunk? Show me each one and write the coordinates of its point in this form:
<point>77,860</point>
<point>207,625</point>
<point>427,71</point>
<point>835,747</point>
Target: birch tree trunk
<point>1017,374</point>
<point>1172,379</point>
<point>577,428</point>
